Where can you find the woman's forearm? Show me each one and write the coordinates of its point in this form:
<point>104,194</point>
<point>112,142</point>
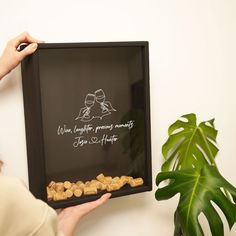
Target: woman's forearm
<point>3,70</point>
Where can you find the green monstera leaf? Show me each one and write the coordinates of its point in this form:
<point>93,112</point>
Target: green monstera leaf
<point>198,189</point>
<point>190,145</point>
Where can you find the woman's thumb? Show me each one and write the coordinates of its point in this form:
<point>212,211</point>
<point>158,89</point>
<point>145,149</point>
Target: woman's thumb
<point>31,48</point>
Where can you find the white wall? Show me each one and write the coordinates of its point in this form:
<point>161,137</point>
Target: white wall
<point>192,69</point>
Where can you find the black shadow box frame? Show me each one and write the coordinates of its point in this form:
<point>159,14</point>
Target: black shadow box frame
<point>70,133</point>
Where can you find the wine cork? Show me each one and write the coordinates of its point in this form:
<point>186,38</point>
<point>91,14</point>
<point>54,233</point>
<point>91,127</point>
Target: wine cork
<point>108,178</point>
<point>121,183</point>
<point>125,179</point>
<point>59,196</point>
<point>115,179</point>
<point>74,187</point>
<point>78,192</point>
<point>103,186</point>
<point>100,177</point>
<point>81,186</point>
<point>136,182</point>
<point>90,190</point>
<point>129,179</point>
<point>79,182</point>
<point>50,197</point>
<point>51,184</point>
<point>97,184</point>
<point>63,190</point>
<point>113,187</point>
<point>48,190</point>
<point>59,187</point>
<point>69,193</point>
<point>67,184</point>
<point>50,193</point>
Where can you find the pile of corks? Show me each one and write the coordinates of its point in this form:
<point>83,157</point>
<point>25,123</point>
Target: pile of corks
<point>63,190</point>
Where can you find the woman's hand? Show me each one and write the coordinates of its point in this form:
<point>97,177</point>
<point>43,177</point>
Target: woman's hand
<point>69,217</point>
<point>11,57</point>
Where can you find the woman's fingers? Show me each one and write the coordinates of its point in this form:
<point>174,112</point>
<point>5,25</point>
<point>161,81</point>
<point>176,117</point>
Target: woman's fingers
<point>92,205</point>
<point>11,57</point>
<point>102,199</point>
<point>85,208</point>
<point>31,48</point>
<point>24,38</point>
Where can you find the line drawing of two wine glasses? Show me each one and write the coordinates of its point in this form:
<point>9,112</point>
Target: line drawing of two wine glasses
<point>91,98</point>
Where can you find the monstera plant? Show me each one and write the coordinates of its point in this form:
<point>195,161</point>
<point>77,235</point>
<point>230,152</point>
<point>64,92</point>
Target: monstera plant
<point>190,170</point>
